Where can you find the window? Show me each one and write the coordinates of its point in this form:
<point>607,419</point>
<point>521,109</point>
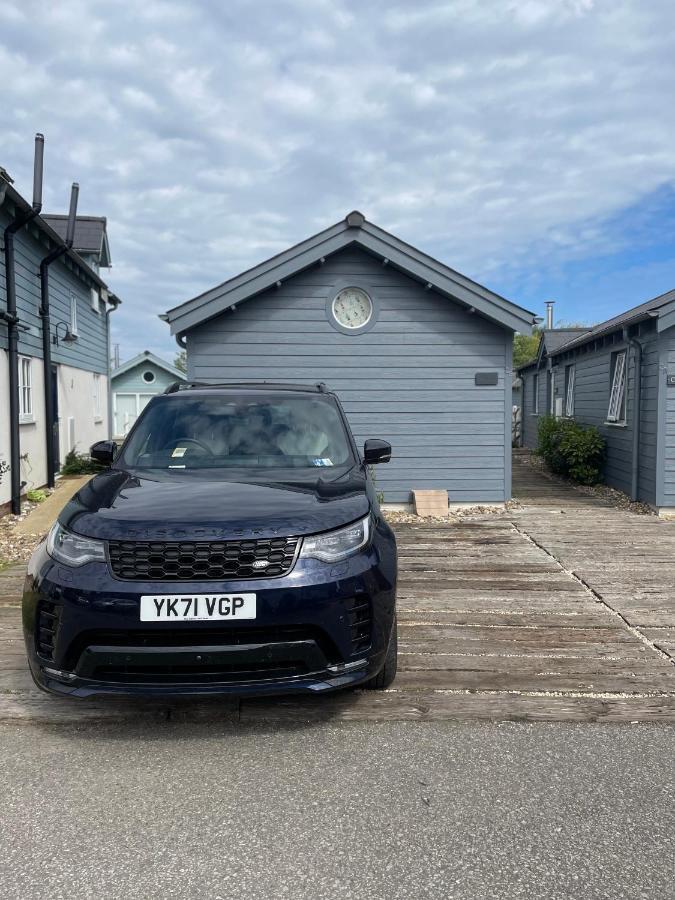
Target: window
<point>148,376</point>
<point>97,396</point>
<point>25,389</point>
<point>617,394</point>
<point>240,431</point>
<point>73,313</point>
<point>95,300</point>
<point>535,388</point>
<point>569,391</point>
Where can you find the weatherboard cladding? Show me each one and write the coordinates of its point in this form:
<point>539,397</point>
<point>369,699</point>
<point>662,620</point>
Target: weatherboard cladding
<point>90,350</point>
<point>667,436</point>
<point>409,380</point>
<point>591,400</point>
<point>132,380</point>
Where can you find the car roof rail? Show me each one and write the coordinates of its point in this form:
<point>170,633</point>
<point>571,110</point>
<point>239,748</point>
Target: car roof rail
<point>177,386</point>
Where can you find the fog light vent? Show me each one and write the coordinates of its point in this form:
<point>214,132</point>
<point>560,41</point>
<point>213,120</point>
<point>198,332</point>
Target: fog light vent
<point>47,628</point>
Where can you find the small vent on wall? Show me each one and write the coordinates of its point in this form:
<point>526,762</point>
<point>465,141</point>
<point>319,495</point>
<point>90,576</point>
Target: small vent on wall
<point>71,433</point>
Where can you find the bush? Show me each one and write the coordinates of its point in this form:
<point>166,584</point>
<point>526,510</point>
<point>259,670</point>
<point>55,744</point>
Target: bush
<point>571,449</point>
<point>37,495</point>
<point>78,464</point>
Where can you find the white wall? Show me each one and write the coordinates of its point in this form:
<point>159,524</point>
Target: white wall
<point>31,435</point>
<point>5,492</point>
<point>76,400</point>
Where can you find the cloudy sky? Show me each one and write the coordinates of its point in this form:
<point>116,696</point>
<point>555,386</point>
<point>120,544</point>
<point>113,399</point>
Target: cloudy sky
<point>528,143</point>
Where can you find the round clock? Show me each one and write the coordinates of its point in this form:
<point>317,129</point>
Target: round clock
<point>352,308</point>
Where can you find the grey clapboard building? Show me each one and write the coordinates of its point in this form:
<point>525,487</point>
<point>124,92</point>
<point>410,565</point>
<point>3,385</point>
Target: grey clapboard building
<point>620,377</point>
<point>418,354</point>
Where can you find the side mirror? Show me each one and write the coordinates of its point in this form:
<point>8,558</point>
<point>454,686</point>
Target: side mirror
<point>104,452</point>
<point>376,451</point>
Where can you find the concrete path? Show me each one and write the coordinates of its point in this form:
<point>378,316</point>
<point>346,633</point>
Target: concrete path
<point>313,812</point>
<point>41,519</point>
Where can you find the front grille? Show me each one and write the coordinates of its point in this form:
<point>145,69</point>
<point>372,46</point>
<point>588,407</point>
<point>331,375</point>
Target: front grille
<point>202,560</point>
<point>198,674</point>
<point>47,626</point>
<point>217,635</point>
<point>358,610</point>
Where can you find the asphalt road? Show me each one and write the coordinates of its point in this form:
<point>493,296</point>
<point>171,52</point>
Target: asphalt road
<point>343,811</point>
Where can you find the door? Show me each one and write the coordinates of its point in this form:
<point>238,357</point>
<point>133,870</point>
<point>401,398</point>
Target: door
<point>143,400</point>
<point>126,413</point>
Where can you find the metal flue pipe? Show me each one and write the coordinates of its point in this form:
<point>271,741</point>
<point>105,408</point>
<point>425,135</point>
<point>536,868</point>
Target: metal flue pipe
<point>549,314</point>
<point>46,333</point>
<point>12,320</point>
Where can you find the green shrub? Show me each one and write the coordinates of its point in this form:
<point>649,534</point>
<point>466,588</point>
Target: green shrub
<point>78,464</point>
<point>571,449</point>
<point>36,496</point>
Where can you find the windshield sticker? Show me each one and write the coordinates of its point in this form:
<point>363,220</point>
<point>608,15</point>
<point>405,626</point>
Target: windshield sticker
<point>179,451</point>
<point>323,461</point>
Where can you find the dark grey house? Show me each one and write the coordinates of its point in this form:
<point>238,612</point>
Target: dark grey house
<point>619,376</point>
<point>418,354</point>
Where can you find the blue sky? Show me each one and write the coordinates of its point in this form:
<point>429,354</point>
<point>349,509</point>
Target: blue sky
<point>528,143</point>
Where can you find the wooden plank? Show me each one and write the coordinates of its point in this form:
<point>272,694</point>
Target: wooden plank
<point>464,679</point>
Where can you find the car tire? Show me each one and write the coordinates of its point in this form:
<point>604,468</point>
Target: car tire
<point>387,673</point>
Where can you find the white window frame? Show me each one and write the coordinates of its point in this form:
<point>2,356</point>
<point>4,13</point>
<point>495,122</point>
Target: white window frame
<point>26,414</point>
<point>569,390</point>
<point>95,301</point>
<point>535,388</point>
<point>98,416</point>
<point>73,314</point>
<point>551,387</point>
<point>616,412</point>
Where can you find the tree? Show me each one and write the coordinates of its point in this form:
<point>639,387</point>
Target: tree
<point>180,362</point>
<point>525,347</point>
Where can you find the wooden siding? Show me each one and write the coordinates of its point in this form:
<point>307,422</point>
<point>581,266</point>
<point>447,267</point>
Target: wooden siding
<point>132,381</point>
<point>90,350</point>
<point>667,498</point>
<point>530,418</point>
<point>410,379</point>
<point>591,401</point>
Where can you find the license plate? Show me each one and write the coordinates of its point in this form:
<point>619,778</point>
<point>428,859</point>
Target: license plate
<point>196,607</point>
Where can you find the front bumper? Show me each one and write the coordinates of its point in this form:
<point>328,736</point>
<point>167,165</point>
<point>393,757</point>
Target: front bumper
<point>319,628</point>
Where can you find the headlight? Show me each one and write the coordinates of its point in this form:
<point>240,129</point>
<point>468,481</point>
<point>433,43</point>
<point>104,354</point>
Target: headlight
<point>336,545</point>
<point>72,549</point>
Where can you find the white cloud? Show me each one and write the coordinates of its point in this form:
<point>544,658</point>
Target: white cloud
<point>490,134</point>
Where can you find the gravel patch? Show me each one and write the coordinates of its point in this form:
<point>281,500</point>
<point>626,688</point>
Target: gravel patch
<point>17,547</point>
<point>395,517</point>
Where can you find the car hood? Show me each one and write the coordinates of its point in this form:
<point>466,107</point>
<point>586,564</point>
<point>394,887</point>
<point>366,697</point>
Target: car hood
<point>125,505</point>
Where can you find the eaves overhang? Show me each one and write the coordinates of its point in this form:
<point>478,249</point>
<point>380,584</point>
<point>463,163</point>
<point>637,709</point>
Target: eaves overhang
<point>353,230</point>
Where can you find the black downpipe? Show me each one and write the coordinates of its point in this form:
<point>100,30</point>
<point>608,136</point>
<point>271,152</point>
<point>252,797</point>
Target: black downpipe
<point>46,332</point>
<point>12,320</point>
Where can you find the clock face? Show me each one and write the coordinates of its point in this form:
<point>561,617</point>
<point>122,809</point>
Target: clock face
<point>352,308</point>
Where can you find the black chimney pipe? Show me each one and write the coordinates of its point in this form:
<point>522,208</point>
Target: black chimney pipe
<point>12,320</point>
<point>46,333</point>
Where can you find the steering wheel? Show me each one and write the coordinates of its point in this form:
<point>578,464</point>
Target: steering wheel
<point>188,440</point>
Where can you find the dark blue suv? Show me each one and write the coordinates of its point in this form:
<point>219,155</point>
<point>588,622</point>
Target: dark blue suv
<point>234,544</point>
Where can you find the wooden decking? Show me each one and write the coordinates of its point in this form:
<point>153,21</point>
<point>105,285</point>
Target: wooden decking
<point>547,613</point>
<point>534,487</point>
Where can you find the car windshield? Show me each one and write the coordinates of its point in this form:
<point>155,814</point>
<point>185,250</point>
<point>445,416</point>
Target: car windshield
<point>246,431</point>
